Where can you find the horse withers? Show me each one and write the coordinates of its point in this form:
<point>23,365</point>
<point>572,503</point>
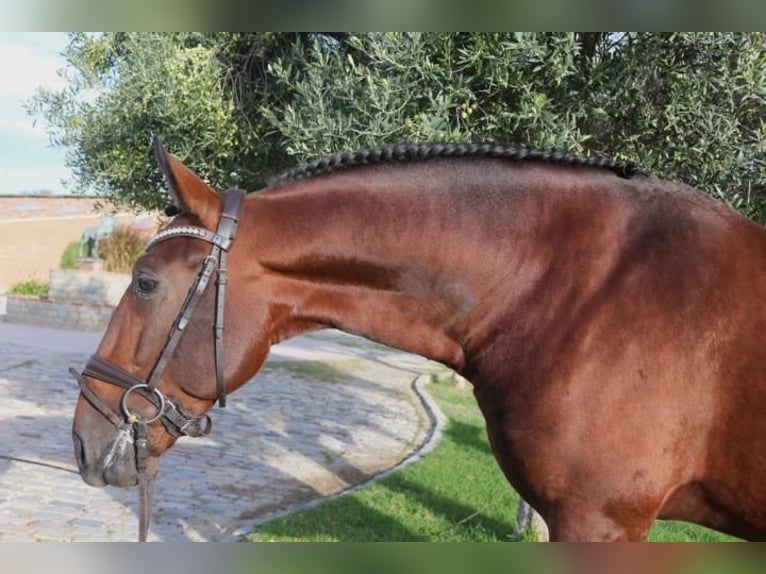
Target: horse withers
<point>610,322</point>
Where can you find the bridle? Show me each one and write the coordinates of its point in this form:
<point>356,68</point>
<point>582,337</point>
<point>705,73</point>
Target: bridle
<point>169,412</point>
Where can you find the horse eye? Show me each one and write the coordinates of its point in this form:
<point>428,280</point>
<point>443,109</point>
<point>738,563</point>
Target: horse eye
<point>145,285</point>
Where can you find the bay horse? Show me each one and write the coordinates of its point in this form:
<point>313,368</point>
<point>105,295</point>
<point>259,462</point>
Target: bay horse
<point>611,323</point>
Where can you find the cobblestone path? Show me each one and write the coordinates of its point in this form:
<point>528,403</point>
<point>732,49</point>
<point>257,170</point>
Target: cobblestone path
<point>328,411</point>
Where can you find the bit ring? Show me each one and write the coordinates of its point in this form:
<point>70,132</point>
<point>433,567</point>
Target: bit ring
<point>132,418</point>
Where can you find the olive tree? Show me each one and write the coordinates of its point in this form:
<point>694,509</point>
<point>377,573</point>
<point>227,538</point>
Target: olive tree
<point>241,107</point>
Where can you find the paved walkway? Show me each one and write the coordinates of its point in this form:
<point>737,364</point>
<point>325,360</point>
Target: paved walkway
<point>328,411</point>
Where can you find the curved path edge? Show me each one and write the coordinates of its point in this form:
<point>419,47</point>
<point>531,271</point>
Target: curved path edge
<point>436,423</point>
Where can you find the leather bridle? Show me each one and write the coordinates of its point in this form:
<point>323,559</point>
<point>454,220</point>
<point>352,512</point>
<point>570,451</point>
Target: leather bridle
<point>169,412</point>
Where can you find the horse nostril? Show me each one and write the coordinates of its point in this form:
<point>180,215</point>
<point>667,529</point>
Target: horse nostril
<point>79,451</point>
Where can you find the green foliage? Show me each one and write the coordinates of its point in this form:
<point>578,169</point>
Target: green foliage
<point>387,88</point>
<point>31,287</point>
<point>691,107</point>
<point>129,86</point>
<point>121,250</point>
<point>69,257</point>
<point>239,107</point>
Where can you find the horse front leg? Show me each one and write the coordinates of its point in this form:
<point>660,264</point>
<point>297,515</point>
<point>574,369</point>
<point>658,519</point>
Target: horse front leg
<point>570,521</point>
<point>573,499</point>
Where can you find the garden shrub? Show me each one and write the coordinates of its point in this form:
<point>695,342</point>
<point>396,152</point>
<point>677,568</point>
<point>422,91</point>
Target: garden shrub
<point>69,257</point>
<point>121,249</point>
<point>30,287</point>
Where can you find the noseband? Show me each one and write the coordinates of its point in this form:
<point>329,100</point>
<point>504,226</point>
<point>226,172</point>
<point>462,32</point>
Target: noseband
<point>174,418</point>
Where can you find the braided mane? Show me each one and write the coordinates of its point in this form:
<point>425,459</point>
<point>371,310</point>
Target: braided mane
<point>425,151</point>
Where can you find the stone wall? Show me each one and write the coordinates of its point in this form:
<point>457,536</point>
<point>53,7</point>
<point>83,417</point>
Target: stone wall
<point>14,207</point>
<point>96,288</point>
<point>76,300</point>
<point>35,311</point>
<point>34,231</point>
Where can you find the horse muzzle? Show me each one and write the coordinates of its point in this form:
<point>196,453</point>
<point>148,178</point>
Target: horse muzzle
<point>113,464</point>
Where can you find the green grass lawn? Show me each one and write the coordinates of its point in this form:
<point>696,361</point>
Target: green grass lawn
<point>457,493</point>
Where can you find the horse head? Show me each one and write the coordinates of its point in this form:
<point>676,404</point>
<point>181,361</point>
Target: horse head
<point>170,347</point>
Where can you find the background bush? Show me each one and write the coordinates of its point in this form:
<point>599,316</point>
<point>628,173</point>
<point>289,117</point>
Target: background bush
<point>121,249</point>
<point>69,256</point>
<point>31,287</point>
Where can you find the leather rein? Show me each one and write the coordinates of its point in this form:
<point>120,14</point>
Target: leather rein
<point>169,412</point>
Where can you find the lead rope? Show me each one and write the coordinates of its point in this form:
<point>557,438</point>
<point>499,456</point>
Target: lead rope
<point>145,484</point>
<point>141,438</point>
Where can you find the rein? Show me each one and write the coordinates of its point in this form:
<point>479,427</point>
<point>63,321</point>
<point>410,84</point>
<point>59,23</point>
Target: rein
<point>173,417</point>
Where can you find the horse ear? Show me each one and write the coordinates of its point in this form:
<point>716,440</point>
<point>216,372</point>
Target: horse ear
<point>188,192</point>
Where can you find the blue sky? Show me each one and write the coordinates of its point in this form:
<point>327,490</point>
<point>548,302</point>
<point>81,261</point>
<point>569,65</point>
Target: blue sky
<point>27,161</point>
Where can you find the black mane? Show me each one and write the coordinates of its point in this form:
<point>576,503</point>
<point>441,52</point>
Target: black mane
<point>424,151</point>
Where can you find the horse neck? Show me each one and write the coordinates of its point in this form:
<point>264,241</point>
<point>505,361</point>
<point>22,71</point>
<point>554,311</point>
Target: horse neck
<point>378,260</point>
<point>407,258</point>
